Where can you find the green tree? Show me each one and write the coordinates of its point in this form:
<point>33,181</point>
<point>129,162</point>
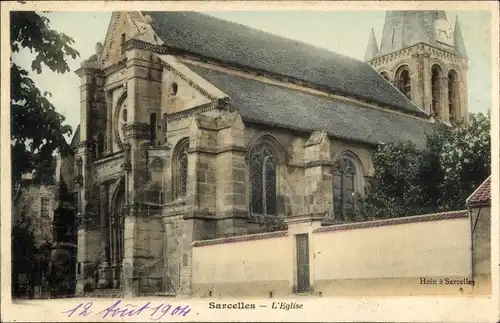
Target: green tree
<point>438,178</point>
<point>23,253</point>
<point>37,130</point>
<point>465,160</point>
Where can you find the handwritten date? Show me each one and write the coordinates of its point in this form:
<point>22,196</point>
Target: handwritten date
<point>118,308</point>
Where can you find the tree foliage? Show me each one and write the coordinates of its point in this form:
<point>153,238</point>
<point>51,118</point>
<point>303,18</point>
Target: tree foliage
<point>37,129</point>
<point>23,252</point>
<point>409,181</point>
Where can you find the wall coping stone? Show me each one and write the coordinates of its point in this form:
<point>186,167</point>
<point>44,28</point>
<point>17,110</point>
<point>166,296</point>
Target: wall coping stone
<point>395,221</point>
<point>242,238</point>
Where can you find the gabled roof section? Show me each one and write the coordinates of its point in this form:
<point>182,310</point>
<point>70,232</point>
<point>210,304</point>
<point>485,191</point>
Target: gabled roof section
<point>482,195</point>
<point>296,110</point>
<point>213,92</point>
<point>76,138</point>
<point>109,34</point>
<point>209,37</point>
<point>133,24</point>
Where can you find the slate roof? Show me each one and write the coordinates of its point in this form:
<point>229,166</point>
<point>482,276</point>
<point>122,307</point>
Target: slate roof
<point>278,106</point>
<point>482,194</point>
<point>76,137</point>
<point>225,41</point>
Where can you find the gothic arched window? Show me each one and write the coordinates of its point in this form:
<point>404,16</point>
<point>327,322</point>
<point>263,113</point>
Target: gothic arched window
<point>344,187</point>
<point>263,170</point>
<point>180,169</point>
<point>152,126</point>
<point>453,96</point>
<point>403,82</point>
<point>436,79</point>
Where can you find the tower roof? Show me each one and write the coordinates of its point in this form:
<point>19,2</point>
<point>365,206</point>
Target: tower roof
<point>407,28</point>
<point>459,39</point>
<point>372,48</point>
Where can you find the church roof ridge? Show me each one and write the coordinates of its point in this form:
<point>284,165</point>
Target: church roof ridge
<point>230,42</point>
<point>296,110</point>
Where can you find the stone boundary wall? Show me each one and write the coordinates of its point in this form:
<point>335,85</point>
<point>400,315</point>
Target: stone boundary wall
<point>377,258</point>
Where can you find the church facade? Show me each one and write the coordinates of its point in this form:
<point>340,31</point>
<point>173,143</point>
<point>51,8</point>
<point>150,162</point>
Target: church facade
<point>194,128</point>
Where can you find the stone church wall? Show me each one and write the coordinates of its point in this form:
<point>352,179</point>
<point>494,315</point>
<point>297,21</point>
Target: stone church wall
<point>144,247</point>
<point>371,258</point>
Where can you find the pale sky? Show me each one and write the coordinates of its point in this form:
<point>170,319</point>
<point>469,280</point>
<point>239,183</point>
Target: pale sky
<point>339,31</point>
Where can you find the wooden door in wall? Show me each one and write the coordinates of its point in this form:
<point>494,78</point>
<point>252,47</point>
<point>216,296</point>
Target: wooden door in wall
<point>302,247</point>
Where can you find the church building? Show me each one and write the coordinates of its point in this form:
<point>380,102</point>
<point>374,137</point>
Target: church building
<point>193,128</point>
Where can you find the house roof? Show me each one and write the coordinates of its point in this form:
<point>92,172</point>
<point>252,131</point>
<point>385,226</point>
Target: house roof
<point>229,42</point>
<point>482,194</point>
<point>279,106</point>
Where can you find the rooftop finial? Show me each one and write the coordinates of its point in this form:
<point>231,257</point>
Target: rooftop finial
<point>459,39</point>
<point>98,48</point>
<point>372,47</point>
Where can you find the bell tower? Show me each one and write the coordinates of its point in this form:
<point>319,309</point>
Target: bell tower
<point>423,55</point>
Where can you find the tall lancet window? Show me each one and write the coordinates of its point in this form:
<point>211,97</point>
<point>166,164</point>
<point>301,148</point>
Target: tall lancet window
<point>453,99</point>
<point>152,126</point>
<point>100,145</point>
<point>165,127</point>
<point>436,87</point>
<point>263,161</point>
<point>180,169</point>
<point>403,82</point>
<point>344,187</point>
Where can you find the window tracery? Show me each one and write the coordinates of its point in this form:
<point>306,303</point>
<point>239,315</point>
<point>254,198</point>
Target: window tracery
<point>180,171</point>
<point>344,187</point>
<point>263,169</point>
